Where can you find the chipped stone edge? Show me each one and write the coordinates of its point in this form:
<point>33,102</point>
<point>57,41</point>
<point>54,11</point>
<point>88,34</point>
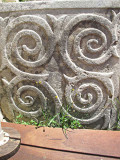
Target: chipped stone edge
<point>58,4</point>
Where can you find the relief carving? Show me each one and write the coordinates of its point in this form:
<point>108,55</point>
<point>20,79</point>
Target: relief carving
<point>103,101</point>
<point>84,41</point>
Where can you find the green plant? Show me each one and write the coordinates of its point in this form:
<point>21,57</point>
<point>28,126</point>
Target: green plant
<point>48,120</point>
<point>66,121</point>
<point>117,126</point>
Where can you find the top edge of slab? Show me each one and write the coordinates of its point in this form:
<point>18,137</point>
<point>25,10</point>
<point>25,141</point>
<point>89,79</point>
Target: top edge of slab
<point>59,4</point>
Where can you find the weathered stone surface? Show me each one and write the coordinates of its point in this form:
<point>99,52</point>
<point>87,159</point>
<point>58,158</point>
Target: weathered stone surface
<point>58,53</point>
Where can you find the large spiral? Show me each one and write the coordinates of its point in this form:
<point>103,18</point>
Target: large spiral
<point>93,104</point>
<point>104,50</point>
<point>28,98</point>
<point>43,53</point>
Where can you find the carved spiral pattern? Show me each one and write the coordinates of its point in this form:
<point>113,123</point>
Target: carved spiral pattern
<point>34,51</point>
<point>86,105</point>
<point>29,101</point>
<point>89,31</point>
<point>90,97</point>
<point>89,48</point>
<point>99,92</point>
<point>104,50</point>
<point>13,47</point>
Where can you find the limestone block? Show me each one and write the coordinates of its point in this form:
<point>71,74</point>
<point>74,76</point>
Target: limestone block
<point>59,53</point>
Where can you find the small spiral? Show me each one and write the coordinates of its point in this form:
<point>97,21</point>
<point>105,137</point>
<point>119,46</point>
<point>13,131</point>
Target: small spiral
<point>34,51</point>
<point>32,34</point>
<point>78,50</point>
<point>83,101</point>
<point>31,100</point>
<point>86,32</point>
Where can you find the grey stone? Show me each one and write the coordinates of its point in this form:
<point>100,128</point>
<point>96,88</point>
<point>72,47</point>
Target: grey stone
<point>60,53</point>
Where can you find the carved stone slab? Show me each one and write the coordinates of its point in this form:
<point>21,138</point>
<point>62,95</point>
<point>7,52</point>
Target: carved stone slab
<point>59,53</point>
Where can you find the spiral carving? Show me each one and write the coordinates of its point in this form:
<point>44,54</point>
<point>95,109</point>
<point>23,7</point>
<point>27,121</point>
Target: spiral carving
<point>90,97</point>
<point>38,49</point>
<point>31,100</point>
<point>28,101</point>
<point>82,44</point>
<point>106,52</point>
<point>34,51</point>
<point>89,48</point>
<point>86,105</point>
<point>80,105</point>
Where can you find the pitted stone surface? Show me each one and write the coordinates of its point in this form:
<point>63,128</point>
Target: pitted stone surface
<point>54,54</point>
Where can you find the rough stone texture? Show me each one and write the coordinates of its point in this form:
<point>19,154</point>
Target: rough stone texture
<point>61,53</point>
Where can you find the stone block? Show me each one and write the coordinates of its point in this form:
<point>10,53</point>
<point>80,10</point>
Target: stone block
<point>61,53</point>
